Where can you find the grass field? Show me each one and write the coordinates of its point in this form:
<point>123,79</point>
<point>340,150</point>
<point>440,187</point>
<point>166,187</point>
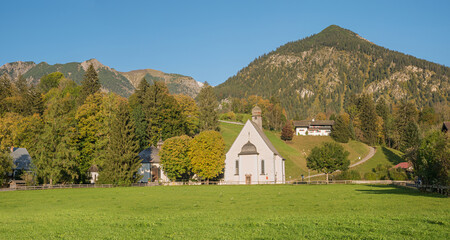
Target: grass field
<point>295,151</point>
<point>384,156</point>
<point>225,212</point>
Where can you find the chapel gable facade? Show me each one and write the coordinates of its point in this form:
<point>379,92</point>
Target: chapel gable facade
<point>252,158</point>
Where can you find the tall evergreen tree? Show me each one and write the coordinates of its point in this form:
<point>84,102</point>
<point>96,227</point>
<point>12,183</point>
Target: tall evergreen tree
<point>383,111</point>
<point>122,161</point>
<point>142,89</point>
<point>90,84</point>
<point>190,111</point>
<point>163,113</point>
<point>208,104</point>
<point>367,116</point>
<point>406,115</point>
<point>5,93</point>
<point>141,127</point>
<point>6,165</point>
<point>139,95</point>
<point>341,131</point>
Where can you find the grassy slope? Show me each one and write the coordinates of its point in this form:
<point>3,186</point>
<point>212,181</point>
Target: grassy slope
<point>295,152</point>
<point>225,212</point>
<point>384,156</point>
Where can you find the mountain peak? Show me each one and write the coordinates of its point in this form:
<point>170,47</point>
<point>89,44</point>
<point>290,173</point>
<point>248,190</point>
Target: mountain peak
<point>95,63</point>
<point>337,31</point>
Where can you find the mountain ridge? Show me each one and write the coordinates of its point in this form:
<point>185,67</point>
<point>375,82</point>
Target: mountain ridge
<point>122,83</point>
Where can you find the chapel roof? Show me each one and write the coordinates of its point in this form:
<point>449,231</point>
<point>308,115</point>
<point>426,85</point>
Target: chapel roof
<point>150,155</point>
<point>264,137</point>
<point>21,159</point>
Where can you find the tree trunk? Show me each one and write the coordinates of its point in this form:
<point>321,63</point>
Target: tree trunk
<point>327,178</point>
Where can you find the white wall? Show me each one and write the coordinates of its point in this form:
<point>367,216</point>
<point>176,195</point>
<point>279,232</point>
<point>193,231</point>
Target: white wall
<point>315,132</point>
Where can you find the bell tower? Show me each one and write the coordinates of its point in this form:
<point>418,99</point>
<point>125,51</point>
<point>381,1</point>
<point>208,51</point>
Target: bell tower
<point>256,116</point>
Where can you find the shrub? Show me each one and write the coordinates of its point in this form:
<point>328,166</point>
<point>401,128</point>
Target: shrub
<point>370,176</point>
<point>397,174</point>
<point>239,117</point>
<point>349,175</point>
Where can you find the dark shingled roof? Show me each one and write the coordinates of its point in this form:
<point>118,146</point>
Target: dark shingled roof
<point>248,149</point>
<point>307,123</point>
<point>21,159</point>
<point>266,140</point>
<point>150,155</point>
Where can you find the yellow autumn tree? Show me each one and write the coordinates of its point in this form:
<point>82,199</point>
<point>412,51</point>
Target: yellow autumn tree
<point>207,154</point>
<point>175,158</point>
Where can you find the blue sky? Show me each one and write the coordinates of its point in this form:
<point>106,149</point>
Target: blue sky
<point>208,40</point>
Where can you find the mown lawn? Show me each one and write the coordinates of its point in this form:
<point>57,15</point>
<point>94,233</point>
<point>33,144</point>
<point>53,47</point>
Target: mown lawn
<point>225,212</point>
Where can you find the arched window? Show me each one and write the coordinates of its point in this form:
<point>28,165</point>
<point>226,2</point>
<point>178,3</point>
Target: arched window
<point>263,170</point>
<point>237,167</point>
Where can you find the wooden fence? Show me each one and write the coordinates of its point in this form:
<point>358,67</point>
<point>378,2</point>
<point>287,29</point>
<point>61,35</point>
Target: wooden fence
<point>428,188</point>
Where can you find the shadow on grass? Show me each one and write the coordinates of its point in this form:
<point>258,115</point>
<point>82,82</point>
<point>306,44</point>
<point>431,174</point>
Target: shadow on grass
<point>391,156</point>
<point>392,189</point>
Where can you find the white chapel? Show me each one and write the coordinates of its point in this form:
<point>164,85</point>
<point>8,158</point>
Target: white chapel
<point>252,159</point>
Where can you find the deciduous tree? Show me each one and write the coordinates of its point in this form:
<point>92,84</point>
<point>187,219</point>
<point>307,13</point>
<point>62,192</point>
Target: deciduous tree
<point>431,161</point>
<point>50,81</point>
<point>287,133</point>
<point>175,158</point>
<point>327,158</point>
<point>207,154</point>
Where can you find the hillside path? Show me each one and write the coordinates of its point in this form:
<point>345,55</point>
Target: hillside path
<point>372,151</point>
<point>237,123</point>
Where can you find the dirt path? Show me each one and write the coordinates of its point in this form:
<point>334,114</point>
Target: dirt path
<point>372,151</point>
<point>237,123</point>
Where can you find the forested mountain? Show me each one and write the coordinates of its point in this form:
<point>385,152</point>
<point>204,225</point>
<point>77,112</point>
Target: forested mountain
<point>322,72</point>
<point>175,82</point>
<point>122,83</point>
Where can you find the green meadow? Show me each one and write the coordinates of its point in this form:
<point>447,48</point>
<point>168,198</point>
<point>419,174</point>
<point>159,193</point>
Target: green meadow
<point>225,212</point>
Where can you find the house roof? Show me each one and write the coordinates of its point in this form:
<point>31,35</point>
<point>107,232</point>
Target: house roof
<point>21,159</point>
<point>248,149</point>
<point>150,155</point>
<point>308,123</point>
<point>404,165</point>
<point>264,137</point>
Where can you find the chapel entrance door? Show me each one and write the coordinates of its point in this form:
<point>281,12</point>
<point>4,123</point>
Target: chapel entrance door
<point>248,179</point>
